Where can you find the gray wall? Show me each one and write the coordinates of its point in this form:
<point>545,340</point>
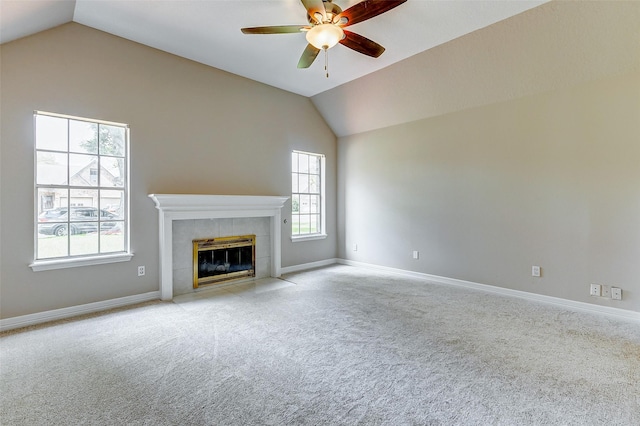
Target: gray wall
<point>485,193</point>
<point>194,129</point>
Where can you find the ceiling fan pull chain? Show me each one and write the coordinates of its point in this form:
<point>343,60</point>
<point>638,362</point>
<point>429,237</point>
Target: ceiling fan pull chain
<point>326,61</point>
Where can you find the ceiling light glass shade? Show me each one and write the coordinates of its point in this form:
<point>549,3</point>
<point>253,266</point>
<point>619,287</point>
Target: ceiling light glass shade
<point>325,36</point>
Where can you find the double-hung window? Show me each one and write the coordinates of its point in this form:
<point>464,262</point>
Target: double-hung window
<point>307,196</point>
<point>81,190</point>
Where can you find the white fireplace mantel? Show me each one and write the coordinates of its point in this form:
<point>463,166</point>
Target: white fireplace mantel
<point>192,206</point>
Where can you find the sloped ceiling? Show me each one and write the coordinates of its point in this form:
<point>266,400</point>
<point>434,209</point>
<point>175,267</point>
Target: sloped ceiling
<point>209,32</point>
<point>441,56</point>
<point>21,18</point>
<point>556,45</point>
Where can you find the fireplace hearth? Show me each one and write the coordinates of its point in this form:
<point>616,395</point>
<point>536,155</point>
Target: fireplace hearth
<point>216,260</point>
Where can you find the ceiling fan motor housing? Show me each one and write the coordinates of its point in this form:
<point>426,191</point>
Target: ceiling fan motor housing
<point>332,10</point>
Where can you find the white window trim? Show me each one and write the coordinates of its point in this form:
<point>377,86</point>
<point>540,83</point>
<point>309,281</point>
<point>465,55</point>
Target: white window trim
<point>47,265</point>
<point>323,209</point>
<point>94,259</point>
<point>310,237</point>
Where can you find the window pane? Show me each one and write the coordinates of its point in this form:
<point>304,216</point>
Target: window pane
<point>314,164</point>
<point>80,169</point>
<point>304,203</point>
<point>112,204</point>
<point>51,168</point>
<point>83,203</point>
<point>314,203</point>
<point>111,140</point>
<point>314,224</point>
<point>52,241</point>
<point>314,184</point>
<point>51,133</point>
<point>111,171</point>
<point>84,243</point>
<point>52,222</point>
<point>295,224</point>
<point>295,203</point>
<point>83,137</point>
<point>46,200</point>
<point>111,237</point>
<point>304,223</point>
<point>303,163</point>
<point>303,183</point>
<point>294,182</point>
<point>294,162</point>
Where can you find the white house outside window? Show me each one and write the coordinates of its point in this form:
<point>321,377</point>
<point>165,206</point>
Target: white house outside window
<point>81,188</point>
<point>307,196</point>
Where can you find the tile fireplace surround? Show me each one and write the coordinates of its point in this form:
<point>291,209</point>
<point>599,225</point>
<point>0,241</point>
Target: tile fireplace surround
<point>172,207</point>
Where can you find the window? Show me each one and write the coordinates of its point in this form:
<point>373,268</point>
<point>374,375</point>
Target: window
<point>307,200</point>
<point>93,176</point>
<point>81,188</point>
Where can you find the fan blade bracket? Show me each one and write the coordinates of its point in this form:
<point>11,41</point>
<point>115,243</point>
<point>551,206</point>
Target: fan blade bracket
<point>315,7</point>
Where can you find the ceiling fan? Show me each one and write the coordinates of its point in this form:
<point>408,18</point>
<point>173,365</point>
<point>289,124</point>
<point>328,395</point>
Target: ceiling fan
<point>326,27</point>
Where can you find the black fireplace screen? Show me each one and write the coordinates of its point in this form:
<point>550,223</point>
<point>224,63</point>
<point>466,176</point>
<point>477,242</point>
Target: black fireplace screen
<point>222,259</point>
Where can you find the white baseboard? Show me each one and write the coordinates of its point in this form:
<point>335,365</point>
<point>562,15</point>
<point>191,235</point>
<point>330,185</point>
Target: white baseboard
<point>56,314</point>
<point>72,311</point>
<point>306,266</point>
<point>565,303</point>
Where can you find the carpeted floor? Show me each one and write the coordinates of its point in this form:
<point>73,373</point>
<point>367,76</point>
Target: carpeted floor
<point>334,346</point>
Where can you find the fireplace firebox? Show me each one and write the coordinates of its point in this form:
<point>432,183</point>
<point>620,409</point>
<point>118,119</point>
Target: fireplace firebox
<point>216,260</point>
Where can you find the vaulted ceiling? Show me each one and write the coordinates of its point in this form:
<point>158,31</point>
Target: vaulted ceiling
<point>441,56</point>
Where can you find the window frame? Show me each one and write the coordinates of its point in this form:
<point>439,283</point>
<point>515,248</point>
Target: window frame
<point>321,234</point>
<point>70,261</point>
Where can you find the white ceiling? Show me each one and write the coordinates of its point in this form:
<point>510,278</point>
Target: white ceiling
<point>209,32</point>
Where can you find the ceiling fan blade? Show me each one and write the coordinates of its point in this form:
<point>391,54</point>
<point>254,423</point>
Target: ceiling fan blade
<point>308,56</point>
<point>367,9</point>
<point>313,7</point>
<point>361,44</point>
<point>279,29</point>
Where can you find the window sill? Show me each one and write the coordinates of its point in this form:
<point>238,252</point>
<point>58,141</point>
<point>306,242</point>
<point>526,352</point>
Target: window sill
<point>301,238</point>
<point>46,265</point>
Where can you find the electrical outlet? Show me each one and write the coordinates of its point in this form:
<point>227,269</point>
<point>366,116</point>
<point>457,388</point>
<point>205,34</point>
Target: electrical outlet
<point>595,290</point>
<point>535,271</point>
<point>416,254</point>
<point>606,291</point>
<point>355,247</point>
<point>616,293</point>
<point>140,271</point>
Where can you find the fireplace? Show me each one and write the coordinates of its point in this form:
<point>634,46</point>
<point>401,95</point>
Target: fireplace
<point>185,208</point>
<point>216,260</point>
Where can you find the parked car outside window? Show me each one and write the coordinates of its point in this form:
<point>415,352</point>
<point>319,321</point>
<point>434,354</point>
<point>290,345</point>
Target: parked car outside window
<point>83,220</point>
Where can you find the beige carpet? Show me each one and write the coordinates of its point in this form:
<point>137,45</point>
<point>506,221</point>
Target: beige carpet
<point>335,346</point>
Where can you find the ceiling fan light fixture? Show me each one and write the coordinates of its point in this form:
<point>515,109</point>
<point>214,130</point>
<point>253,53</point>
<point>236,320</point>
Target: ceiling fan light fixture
<point>325,36</point>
